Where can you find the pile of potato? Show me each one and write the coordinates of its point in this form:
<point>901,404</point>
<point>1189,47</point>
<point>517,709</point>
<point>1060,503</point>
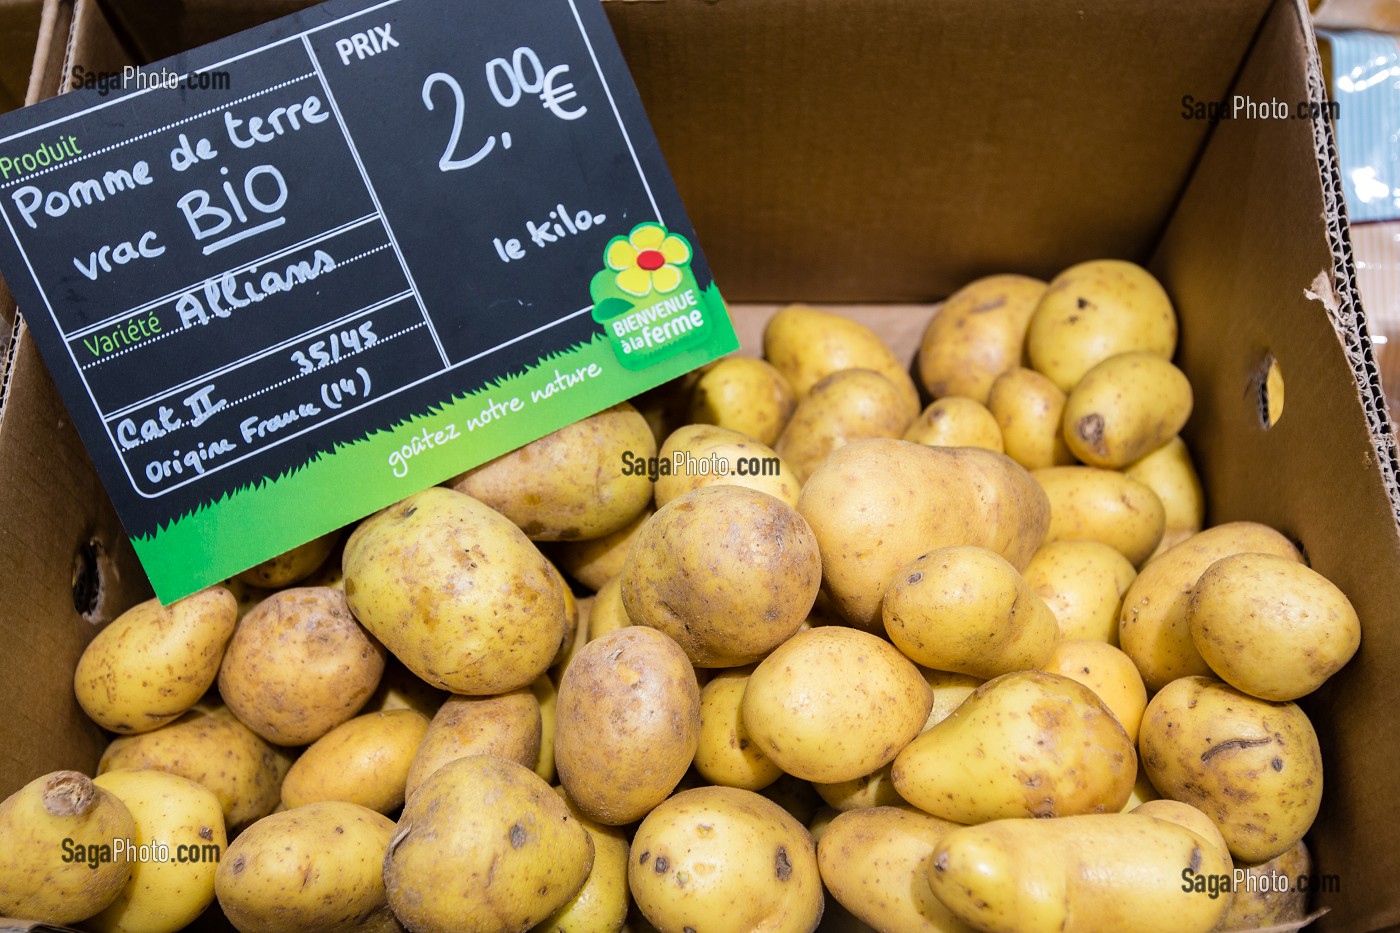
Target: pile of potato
<point>909,669</point>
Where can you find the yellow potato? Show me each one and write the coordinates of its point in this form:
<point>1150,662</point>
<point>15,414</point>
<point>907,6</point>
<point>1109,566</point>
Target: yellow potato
<point>154,662</point>
<point>601,904</point>
<point>1153,629</point>
<point>1109,673</point>
<point>456,592</point>
<point>1270,626</point>
<point>628,724</point>
<point>1090,504</point>
<point>847,406</point>
<point>1029,410</point>
<point>746,395</point>
<point>1252,766</point>
<point>817,826</point>
<point>57,863</point>
<point>1143,791</point>
<point>1023,744</point>
<point>1183,814</point>
<point>807,345</point>
<point>876,505</point>
<point>833,704</point>
<point>299,665</point>
<point>484,846</point>
<point>1083,583</point>
<point>726,754</point>
<point>314,869</point>
<point>1080,874</point>
<point>875,789</point>
<point>726,861</point>
<point>609,613</point>
<point>954,421</point>
<point>507,726</point>
<point>949,691</point>
<point>1270,893</point>
<point>181,827</point>
<point>875,862</point>
<point>1096,310</point>
<point>1124,408</point>
<point>292,566</point>
<point>363,761</point>
<point>597,560</point>
<point>965,609</point>
<point>400,688</point>
<point>570,485</point>
<point>566,646</point>
<point>1169,472</point>
<point>548,698</point>
<point>727,572</point>
<point>699,455</point>
<point>978,334</point>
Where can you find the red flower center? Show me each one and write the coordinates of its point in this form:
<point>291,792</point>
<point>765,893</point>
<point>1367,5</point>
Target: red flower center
<point>651,259</point>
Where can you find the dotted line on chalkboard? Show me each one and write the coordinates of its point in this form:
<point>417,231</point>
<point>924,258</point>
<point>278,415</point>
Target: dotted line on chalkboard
<point>149,133</point>
<point>346,262</point>
<point>134,346</point>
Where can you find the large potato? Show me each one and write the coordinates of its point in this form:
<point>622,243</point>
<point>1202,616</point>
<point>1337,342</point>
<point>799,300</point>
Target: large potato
<point>1029,410</point>
<point>1270,626</point>
<point>1126,407</point>
<point>484,846</point>
<point>1023,744</point>
<point>1090,504</point>
<point>571,484</point>
<point>745,395</point>
<point>954,421</point>
<point>834,703</point>
<point>1096,310</point>
<point>1169,472</point>
<point>1083,583</point>
<point>1252,766</point>
<point>847,406</point>
<point>726,754</point>
<point>363,761</point>
<point>1153,629</point>
<point>727,572</point>
<point>876,505</point>
<point>154,662</point>
<point>807,345</point>
<point>299,665</point>
<point>628,724</point>
<point>703,455</point>
<point>508,726</point>
<point>725,860</point>
<point>978,334</point>
<point>456,592</point>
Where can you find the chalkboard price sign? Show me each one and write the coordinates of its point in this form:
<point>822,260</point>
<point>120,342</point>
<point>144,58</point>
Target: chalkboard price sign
<point>294,276</point>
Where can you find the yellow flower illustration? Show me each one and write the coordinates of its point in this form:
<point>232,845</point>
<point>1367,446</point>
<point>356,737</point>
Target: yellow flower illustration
<point>647,260</point>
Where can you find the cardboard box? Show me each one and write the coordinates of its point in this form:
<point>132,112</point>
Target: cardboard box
<point>879,154</point>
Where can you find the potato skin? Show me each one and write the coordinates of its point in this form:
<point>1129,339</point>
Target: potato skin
<point>508,726</point>
<point>628,724</point>
<point>847,406</point>
<point>1109,673</point>
<point>725,860</point>
<point>954,421</point>
<point>1029,409</point>
<point>569,485</point>
<point>1124,408</point>
<point>1252,766</point>
<point>1087,503</point>
<point>119,681</point>
<point>292,566</point>
<point>707,442</point>
<point>597,560</point>
<point>726,754</point>
<point>456,592</point>
<point>978,334</point>
<point>1258,903</point>
<point>364,760</point>
<point>746,395</point>
<point>601,904</point>
<point>1169,472</point>
<point>1083,583</point>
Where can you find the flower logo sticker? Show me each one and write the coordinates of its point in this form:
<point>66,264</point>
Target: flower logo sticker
<point>648,259</point>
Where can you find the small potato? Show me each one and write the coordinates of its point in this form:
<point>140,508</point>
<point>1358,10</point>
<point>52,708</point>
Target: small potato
<point>548,698</point>
<point>154,662</point>
<point>628,724</point>
<point>1029,410</point>
<point>1143,791</point>
<point>484,846</point>
<point>292,566</point>
<point>1096,310</point>
<point>745,395</point>
<point>978,334</point>
<point>609,613</point>
<point>949,691</point>
<point>597,560</point>
<point>1109,673</point>
<point>1169,472</point>
<point>457,593</point>
<point>726,861</point>
<point>965,609</point>
<point>299,665</point>
<point>875,862</point>
<point>834,704</point>
<point>363,761</point>
<point>726,754</point>
<point>507,726</point>
<point>954,421</point>
<point>1252,766</point>
<point>875,789</point>
<point>1270,895</point>
<point>850,405</point>
<point>1124,408</point>
<point>807,345</point>
<point>314,869</point>
<point>570,485</point>
<point>727,572</point>
<point>400,688</point>
<point>1153,629</point>
<point>601,904</point>
<point>701,455</point>
<point>1270,626</point>
<point>1090,504</point>
<point>1083,583</point>
<point>818,825</point>
<point>1023,744</point>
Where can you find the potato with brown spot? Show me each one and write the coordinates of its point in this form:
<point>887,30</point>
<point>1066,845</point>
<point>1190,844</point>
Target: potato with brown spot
<point>875,789</point>
<point>1270,894</point>
<point>292,566</point>
<point>601,904</point>
<point>508,726</point>
<point>153,662</point>
<point>1124,408</point>
<point>569,485</point>
<point>1090,504</point>
<point>1083,583</point>
<point>1109,673</point>
<point>1029,410</point>
<point>299,665</point>
<point>746,395</point>
<point>730,459</point>
<point>628,724</point>
<point>978,334</point>
<point>726,753</point>
<point>847,406</point>
<point>363,761</point>
<point>954,421</point>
